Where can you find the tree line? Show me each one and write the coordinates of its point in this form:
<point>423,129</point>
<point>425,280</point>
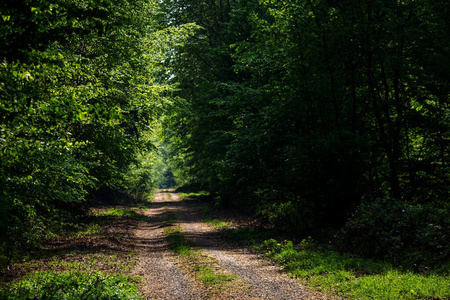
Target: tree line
<point>320,114</point>
<point>81,89</point>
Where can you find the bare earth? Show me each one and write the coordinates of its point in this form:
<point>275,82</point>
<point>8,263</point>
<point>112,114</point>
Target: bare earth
<point>165,277</point>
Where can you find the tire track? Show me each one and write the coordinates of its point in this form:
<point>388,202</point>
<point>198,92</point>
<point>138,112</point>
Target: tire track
<point>163,277</point>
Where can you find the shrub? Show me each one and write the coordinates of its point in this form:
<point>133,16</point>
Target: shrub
<point>416,235</point>
<point>290,214</point>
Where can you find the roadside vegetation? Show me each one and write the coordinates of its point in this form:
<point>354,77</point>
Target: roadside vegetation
<point>352,277</point>
<point>325,266</point>
<point>86,261</point>
<point>72,286</point>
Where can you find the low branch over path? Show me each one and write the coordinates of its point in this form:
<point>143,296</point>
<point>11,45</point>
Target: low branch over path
<point>170,277</point>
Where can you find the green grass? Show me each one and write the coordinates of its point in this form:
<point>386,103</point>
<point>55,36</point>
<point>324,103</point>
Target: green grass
<point>209,276</point>
<point>169,195</point>
<point>218,224</point>
<point>89,229</point>
<point>196,195</point>
<point>178,242</point>
<point>353,277</point>
<point>119,212</point>
<point>71,285</point>
<point>100,219</point>
<point>142,206</point>
<point>91,262</point>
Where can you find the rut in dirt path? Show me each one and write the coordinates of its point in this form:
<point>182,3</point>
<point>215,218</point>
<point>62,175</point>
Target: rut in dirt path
<point>260,279</point>
<point>163,278</point>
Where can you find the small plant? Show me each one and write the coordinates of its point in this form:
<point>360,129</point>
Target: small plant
<point>219,224</point>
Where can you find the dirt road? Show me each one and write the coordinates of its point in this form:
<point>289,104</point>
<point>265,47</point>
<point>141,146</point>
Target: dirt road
<point>166,276</point>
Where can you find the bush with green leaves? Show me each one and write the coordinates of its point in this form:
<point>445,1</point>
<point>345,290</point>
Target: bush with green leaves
<point>71,286</point>
<point>417,235</point>
<point>291,215</point>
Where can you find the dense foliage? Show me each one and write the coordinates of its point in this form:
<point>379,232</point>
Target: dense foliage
<point>80,89</point>
<point>302,110</point>
<point>416,235</point>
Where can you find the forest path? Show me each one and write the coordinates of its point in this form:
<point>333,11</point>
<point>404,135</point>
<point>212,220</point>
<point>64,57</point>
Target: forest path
<point>165,277</point>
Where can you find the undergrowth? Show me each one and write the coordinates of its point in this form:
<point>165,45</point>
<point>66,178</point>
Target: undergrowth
<point>120,212</point>
<point>353,277</point>
<point>71,286</point>
<point>82,261</point>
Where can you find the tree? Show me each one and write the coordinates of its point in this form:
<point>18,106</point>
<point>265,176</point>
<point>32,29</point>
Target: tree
<point>80,89</point>
<point>315,105</point>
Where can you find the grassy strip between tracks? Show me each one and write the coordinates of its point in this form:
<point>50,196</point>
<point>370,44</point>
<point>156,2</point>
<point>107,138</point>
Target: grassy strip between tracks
<point>198,263</point>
